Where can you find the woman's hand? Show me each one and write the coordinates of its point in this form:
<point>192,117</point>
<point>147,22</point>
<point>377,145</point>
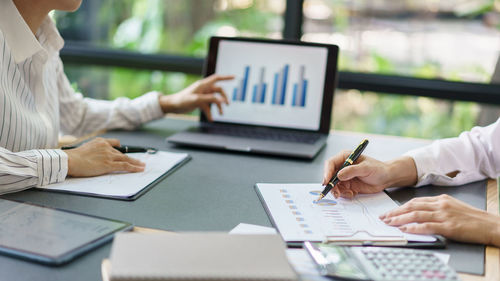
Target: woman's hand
<point>98,157</point>
<point>368,175</point>
<point>446,216</point>
<point>200,94</point>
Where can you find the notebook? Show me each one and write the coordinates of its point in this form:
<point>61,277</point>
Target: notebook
<point>199,256</point>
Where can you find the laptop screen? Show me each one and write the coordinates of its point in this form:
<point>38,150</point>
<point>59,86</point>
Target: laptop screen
<point>276,84</point>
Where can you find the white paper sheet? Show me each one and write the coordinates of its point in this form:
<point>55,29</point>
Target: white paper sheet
<point>245,228</point>
<point>299,218</point>
<point>123,184</point>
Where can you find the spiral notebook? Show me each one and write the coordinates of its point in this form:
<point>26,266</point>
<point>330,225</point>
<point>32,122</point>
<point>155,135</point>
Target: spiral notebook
<point>198,256</point>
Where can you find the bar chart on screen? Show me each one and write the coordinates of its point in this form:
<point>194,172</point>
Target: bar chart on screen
<point>280,86</point>
<point>274,85</point>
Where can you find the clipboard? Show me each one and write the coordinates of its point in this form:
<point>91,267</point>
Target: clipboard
<point>439,243</point>
<point>134,196</point>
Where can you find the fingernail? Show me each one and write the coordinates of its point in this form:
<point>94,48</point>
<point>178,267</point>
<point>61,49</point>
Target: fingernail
<point>402,228</point>
<point>382,216</point>
<point>386,221</point>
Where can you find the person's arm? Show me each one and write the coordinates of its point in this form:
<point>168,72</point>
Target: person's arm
<point>80,116</point>
<point>473,156</point>
<point>40,167</point>
<point>25,169</point>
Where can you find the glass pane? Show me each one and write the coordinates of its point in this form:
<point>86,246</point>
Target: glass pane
<point>447,39</point>
<point>112,82</point>
<point>169,26</point>
<point>408,116</point>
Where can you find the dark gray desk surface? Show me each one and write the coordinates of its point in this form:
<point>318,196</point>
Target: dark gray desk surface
<point>215,192</point>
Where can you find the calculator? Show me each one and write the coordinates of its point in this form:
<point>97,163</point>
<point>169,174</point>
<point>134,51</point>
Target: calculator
<point>378,263</point>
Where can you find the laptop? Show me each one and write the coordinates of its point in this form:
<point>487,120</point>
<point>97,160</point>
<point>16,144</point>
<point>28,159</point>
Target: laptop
<point>280,100</point>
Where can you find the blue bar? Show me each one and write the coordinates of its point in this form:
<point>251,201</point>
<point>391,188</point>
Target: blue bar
<point>275,88</point>
<point>283,89</point>
<point>245,81</point>
<point>263,96</point>
<point>254,94</point>
<point>235,94</point>
<point>294,98</point>
<point>304,91</point>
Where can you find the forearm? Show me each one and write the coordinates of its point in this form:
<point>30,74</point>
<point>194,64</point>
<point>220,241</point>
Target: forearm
<point>39,167</point>
<point>401,171</point>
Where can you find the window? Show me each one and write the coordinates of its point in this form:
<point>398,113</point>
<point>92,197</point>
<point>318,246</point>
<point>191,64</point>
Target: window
<point>451,40</point>
<point>456,41</point>
<point>169,26</point>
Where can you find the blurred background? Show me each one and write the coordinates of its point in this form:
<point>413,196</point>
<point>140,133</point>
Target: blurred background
<point>110,42</point>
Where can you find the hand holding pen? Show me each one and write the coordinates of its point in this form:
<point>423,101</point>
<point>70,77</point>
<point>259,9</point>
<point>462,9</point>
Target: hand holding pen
<point>334,180</point>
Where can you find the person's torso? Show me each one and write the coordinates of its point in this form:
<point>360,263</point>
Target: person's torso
<point>29,105</point>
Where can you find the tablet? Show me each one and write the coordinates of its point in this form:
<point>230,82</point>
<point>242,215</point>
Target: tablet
<point>51,236</point>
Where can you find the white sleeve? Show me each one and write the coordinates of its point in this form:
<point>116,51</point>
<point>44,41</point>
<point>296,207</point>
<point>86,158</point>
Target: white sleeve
<point>80,116</point>
<point>25,169</point>
<point>475,155</point>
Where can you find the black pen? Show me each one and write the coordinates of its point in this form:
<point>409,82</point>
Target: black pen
<point>348,162</point>
<point>125,149</point>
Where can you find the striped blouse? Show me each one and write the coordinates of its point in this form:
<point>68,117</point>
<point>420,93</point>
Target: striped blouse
<point>37,102</point>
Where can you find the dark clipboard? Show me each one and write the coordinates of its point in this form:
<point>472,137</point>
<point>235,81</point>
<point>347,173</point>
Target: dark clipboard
<point>130,198</point>
<point>70,254</point>
<point>440,242</point>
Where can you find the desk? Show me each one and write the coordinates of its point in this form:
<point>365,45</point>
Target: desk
<point>205,194</point>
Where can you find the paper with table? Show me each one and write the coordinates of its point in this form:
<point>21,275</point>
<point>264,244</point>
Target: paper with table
<point>124,185</point>
<point>298,217</point>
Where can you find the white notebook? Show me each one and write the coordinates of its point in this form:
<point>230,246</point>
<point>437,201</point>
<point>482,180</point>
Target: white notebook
<point>124,185</point>
<point>199,256</point>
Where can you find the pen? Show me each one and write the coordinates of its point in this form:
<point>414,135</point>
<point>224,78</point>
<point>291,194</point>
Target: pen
<point>348,162</point>
<point>126,149</point>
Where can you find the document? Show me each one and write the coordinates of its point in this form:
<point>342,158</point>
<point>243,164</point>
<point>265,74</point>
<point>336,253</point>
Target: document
<point>245,228</point>
<point>124,185</point>
<point>299,217</point>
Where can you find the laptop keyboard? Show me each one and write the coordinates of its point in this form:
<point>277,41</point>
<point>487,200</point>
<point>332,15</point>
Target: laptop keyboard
<point>263,134</point>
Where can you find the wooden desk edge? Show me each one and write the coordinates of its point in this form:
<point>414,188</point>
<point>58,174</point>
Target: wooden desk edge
<point>492,256</point>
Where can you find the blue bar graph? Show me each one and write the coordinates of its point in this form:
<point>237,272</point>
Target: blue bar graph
<point>279,90</point>
<point>283,89</point>
<point>240,92</point>
<point>300,89</point>
<point>294,95</point>
<point>275,87</point>
<point>245,83</point>
<point>263,96</point>
<point>280,83</point>
<point>304,92</point>
<point>259,89</point>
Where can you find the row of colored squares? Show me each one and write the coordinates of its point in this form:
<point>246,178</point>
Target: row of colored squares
<point>296,213</point>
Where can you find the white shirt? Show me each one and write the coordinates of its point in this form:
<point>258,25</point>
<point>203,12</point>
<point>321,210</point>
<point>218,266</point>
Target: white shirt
<point>475,155</point>
<point>37,103</point>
